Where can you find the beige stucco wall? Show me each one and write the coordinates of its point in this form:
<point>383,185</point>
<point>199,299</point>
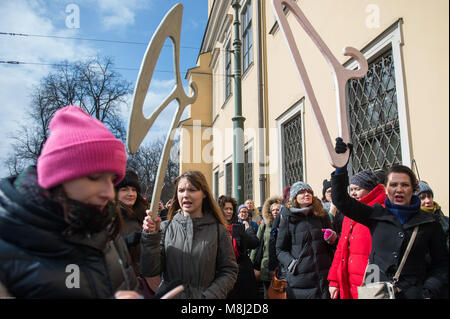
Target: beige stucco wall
<point>224,111</point>
<point>194,137</point>
<point>425,58</point>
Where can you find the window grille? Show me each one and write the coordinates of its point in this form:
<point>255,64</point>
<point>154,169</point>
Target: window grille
<point>228,179</point>
<point>248,175</point>
<point>247,36</point>
<point>373,117</point>
<point>228,76</point>
<point>216,185</point>
<point>291,134</point>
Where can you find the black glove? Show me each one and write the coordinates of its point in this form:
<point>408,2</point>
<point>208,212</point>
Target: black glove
<point>341,147</point>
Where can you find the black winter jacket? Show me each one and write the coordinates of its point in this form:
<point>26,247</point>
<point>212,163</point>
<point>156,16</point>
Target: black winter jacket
<point>389,241</point>
<point>39,260</point>
<point>245,286</point>
<point>301,237</point>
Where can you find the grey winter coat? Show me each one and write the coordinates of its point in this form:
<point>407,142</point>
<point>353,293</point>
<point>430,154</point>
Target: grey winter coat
<point>196,251</point>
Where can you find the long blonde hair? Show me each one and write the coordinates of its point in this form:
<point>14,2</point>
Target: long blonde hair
<point>198,180</point>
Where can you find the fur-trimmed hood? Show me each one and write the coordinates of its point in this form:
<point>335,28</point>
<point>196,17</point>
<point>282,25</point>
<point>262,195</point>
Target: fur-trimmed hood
<point>266,214</point>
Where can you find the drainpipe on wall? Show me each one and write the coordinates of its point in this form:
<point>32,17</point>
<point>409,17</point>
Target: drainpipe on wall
<point>261,125</point>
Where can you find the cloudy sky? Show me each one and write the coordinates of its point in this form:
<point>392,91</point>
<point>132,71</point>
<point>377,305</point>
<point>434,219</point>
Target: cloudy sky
<point>113,20</point>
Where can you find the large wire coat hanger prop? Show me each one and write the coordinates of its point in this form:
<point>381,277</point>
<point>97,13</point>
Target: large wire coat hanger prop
<point>138,125</point>
<point>341,76</point>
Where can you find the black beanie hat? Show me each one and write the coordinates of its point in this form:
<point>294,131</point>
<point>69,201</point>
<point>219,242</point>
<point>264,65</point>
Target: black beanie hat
<point>326,185</point>
<point>365,179</point>
<point>131,179</point>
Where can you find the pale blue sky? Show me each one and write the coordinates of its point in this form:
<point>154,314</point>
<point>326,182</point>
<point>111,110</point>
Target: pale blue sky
<point>117,20</point>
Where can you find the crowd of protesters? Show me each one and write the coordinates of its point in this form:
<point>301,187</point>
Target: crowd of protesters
<point>80,207</point>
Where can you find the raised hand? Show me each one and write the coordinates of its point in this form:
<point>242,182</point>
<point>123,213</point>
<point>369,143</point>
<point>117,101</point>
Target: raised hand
<point>340,147</point>
<point>149,225</point>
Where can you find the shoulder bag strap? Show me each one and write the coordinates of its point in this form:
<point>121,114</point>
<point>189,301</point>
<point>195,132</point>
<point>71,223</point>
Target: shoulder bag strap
<point>408,249</point>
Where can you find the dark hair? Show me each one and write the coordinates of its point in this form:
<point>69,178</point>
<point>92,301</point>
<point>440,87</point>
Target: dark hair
<point>141,204</point>
<point>130,179</point>
<point>381,175</point>
<point>138,210</point>
<point>223,199</point>
<point>286,192</point>
<point>326,184</point>
<point>404,170</point>
<point>198,180</point>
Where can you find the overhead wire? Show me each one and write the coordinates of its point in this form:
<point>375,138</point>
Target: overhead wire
<point>114,68</point>
<point>97,40</point>
<point>84,39</point>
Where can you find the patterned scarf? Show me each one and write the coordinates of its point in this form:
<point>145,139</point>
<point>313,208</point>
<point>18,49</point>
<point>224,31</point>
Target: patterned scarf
<point>404,212</point>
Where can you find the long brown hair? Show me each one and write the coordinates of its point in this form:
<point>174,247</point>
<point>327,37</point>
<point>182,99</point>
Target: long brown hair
<point>198,180</point>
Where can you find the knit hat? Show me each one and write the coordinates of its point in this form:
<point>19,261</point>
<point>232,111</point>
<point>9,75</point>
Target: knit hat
<point>423,187</point>
<point>297,187</point>
<point>78,145</point>
<point>131,179</point>
<point>365,179</point>
<point>242,206</point>
<point>326,185</point>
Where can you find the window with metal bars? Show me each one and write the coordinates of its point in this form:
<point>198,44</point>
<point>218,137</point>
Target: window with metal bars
<point>247,36</point>
<point>216,185</point>
<point>248,174</point>
<point>228,75</point>
<point>291,137</point>
<point>373,117</point>
<point>228,179</point>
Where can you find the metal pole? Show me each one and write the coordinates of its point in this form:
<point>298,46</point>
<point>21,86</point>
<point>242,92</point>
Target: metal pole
<point>238,119</point>
<point>261,122</point>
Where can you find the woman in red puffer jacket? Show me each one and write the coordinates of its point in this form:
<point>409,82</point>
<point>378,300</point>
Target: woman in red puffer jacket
<point>353,250</point>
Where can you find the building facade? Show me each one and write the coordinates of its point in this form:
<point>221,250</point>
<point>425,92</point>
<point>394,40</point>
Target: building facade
<point>398,113</point>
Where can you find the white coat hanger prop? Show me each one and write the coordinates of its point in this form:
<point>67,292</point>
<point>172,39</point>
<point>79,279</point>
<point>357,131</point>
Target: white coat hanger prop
<point>175,291</point>
<point>138,125</point>
<point>341,76</point>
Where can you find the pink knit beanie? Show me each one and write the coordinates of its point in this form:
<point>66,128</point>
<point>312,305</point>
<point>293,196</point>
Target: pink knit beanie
<point>78,145</point>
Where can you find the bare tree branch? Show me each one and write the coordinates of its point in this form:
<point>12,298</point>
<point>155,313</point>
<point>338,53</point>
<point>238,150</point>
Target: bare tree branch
<point>93,85</point>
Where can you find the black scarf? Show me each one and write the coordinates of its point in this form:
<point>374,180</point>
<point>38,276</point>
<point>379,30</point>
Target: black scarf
<point>80,217</point>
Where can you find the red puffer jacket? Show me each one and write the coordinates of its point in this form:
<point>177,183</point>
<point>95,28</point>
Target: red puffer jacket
<point>353,250</point>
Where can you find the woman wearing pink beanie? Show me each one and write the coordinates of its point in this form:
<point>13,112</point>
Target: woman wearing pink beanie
<point>59,224</point>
